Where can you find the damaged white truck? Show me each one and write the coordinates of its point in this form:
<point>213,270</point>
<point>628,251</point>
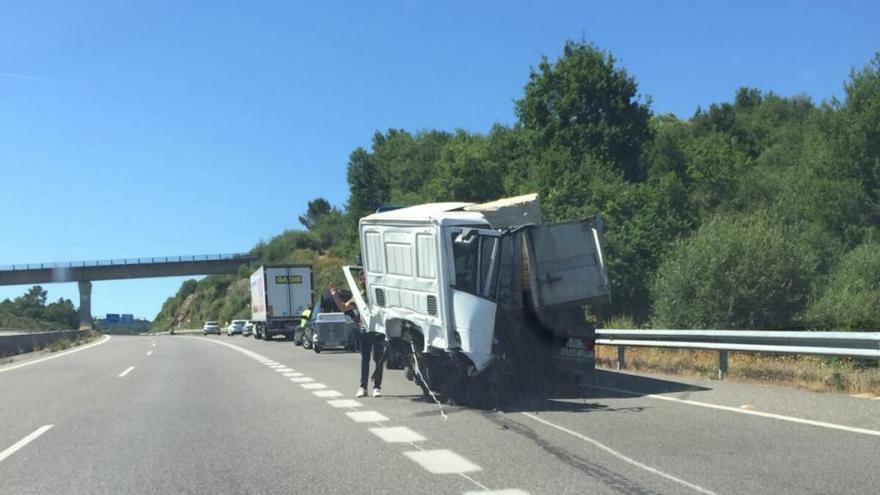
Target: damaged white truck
<point>473,298</point>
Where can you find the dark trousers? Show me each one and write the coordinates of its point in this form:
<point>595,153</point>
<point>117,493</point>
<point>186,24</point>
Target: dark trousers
<point>372,344</point>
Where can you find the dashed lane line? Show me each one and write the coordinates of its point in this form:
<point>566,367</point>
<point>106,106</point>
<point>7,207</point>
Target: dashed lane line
<point>127,371</point>
<point>622,457</point>
<point>366,416</point>
<point>292,374</point>
<point>58,355</point>
<point>397,434</point>
<point>149,353</point>
<point>442,461</point>
<point>24,441</point>
<point>327,394</point>
<point>312,386</point>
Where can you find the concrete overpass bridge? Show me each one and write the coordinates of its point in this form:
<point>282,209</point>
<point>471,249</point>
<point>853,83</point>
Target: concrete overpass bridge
<point>84,272</point>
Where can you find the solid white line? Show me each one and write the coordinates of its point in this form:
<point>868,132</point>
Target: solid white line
<point>619,455</point>
<point>35,361</point>
<point>750,412</point>
<point>125,372</point>
<point>24,441</point>
<point>149,353</point>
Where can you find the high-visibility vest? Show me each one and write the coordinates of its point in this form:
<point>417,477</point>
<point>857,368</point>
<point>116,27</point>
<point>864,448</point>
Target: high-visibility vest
<point>305,317</point>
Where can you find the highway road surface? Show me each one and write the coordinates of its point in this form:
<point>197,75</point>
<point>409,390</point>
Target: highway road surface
<point>192,414</point>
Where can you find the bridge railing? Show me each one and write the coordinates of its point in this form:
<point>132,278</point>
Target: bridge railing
<point>122,262</point>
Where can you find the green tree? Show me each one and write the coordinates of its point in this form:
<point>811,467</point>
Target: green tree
<point>583,103</point>
<point>316,209</point>
<point>851,300</point>
<point>734,272</point>
<point>368,185</point>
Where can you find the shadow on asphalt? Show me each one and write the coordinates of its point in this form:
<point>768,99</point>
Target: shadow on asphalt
<point>541,395</point>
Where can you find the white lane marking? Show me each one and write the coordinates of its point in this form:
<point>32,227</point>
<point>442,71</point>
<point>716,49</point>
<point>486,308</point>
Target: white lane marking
<point>283,370</point>
<point>509,491</point>
<point>154,344</point>
<point>327,394</point>
<point>301,379</point>
<point>340,403</point>
<point>442,461</point>
<point>397,434</point>
<point>277,365</point>
<point>292,374</point>
<point>620,456</point>
<point>24,441</point>
<point>149,353</point>
<point>57,355</point>
<point>366,416</point>
<point>780,417</point>
<point>127,371</point>
<point>312,386</point>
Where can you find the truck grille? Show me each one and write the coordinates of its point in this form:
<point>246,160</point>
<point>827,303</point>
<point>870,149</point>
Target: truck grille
<point>380,297</point>
<point>432,305</point>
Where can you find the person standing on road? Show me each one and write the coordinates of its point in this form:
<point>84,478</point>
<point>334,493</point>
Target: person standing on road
<point>370,342</point>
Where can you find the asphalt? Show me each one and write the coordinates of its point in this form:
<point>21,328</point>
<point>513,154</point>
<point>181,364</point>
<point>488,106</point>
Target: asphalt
<point>207,415</point>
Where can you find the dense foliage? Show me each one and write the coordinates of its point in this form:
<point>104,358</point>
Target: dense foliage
<point>30,311</point>
<point>761,212</point>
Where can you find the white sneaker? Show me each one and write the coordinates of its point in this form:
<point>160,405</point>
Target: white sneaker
<point>360,393</point>
<point>377,392</point>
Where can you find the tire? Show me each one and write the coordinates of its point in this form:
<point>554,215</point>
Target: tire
<point>307,342</point>
<point>318,349</point>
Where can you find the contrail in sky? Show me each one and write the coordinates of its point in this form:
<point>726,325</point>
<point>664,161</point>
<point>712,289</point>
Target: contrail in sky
<point>25,77</point>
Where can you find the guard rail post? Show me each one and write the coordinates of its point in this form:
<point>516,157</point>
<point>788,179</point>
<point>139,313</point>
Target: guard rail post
<point>722,364</point>
<point>621,357</point>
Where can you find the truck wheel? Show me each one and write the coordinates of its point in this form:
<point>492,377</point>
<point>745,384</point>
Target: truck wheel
<point>307,342</point>
<point>318,348</point>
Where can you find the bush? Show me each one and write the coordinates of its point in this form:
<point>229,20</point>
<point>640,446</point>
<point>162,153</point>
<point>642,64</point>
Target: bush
<point>734,272</point>
<point>851,301</point>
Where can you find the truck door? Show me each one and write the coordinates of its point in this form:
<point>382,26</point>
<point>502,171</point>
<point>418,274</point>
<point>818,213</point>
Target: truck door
<point>474,253</point>
<point>567,266</point>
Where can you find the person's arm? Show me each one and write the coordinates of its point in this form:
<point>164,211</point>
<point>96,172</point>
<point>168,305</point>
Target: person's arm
<point>343,306</point>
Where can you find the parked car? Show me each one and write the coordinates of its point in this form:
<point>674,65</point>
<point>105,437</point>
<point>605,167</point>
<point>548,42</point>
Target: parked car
<point>327,330</point>
<point>235,327</point>
<point>248,329</point>
<point>211,327</point>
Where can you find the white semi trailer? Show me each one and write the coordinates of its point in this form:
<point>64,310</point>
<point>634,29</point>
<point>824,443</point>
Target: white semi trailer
<point>469,295</point>
<point>279,294</point>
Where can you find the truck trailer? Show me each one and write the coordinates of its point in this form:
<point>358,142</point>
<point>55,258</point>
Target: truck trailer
<point>279,294</point>
<point>471,296</point>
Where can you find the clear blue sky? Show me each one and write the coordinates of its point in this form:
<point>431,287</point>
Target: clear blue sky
<point>175,127</point>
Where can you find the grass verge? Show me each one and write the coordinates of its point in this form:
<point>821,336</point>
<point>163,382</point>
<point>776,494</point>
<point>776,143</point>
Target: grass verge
<point>808,372</point>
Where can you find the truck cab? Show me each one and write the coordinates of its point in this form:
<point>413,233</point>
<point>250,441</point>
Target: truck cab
<point>455,283</point>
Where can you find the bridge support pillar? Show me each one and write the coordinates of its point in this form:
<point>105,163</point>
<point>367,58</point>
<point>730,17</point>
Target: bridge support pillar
<point>85,305</point>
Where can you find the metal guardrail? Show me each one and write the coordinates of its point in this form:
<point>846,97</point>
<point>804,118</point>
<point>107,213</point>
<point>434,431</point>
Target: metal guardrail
<point>123,261</point>
<point>833,344</point>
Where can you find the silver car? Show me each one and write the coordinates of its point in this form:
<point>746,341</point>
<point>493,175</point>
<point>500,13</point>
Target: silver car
<point>235,327</point>
<point>211,327</point>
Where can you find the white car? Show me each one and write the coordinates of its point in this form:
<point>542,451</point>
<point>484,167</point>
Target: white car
<point>235,327</point>
<point>211,327</point>
<point>248,329</point>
